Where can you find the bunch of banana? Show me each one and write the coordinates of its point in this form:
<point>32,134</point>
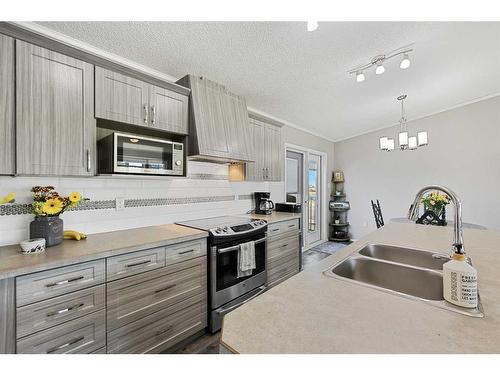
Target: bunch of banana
<point>74,235</point>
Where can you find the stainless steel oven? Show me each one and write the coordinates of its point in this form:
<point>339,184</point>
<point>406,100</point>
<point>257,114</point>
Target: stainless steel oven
<point>134,154</point>
<point>227,291</point>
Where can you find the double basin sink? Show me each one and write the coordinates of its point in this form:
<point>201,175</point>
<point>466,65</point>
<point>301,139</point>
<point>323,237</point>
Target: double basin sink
<point>410,273</point>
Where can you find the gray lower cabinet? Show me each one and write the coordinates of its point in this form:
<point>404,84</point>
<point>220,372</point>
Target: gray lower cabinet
<point>267,150</point>
<point>54,113</point>
<point>283,251</point>
<point>7,106</point>
<point>78,309</point>
<point>132,101</point>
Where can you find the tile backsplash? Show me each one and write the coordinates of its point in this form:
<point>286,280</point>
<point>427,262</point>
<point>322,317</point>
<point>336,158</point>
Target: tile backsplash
<point>149,200</point>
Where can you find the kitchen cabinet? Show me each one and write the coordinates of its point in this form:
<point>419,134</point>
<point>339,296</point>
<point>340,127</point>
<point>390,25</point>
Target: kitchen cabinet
<point>218,122</point>
<point>132,101</point>
<point>55,113</point>
<point>268,153</point>
<point>7,106</point>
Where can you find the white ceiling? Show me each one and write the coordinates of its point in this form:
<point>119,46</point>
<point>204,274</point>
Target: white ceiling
<point>301,77</point>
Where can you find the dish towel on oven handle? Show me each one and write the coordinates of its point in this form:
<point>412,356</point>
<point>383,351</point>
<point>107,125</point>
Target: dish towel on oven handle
<point>246,259</point>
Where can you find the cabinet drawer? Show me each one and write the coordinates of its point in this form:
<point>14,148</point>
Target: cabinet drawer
<point>129,264</point>
<point>160,330</point>
<point>45,314</point>
<point>186,250</point>
<point>141,295</point>
<point>283,246</point>
<point>46,284</point>
<point>274,229</point>
<point>83,335</point>
<point>289,265</point>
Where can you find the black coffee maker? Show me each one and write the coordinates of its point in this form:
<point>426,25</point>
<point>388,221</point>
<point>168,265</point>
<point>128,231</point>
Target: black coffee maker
<point>263,205</point>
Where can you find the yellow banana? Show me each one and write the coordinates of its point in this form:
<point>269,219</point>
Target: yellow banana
<point>74,235</point>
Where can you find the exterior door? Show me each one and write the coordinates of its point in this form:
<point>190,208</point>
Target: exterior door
<point>55,113</point>
<point>313,224</point>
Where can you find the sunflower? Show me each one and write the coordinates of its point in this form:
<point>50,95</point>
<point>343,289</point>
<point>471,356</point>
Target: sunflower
<point>8,198</point>
<point>75,197</point>
<point>52,206</point>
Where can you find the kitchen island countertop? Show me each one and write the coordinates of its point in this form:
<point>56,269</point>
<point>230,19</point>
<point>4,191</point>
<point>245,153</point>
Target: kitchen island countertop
<point>314,313</point>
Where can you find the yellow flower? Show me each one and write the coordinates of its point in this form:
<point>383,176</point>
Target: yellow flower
<point>8,198</point>
<point>52,206</point>
<point>75,197</point>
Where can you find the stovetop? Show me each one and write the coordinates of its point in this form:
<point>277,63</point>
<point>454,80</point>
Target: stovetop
<point>225,225</point>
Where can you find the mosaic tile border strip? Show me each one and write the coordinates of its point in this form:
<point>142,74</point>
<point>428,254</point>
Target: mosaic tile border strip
<point>207,176</point>
<point>245,196</point>
<point>25,208</point>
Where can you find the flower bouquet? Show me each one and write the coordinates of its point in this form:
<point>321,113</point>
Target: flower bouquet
<point>435,209</point>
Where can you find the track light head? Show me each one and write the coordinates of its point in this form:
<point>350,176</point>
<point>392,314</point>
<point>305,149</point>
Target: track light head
<point>405,63</point>
<point>360,77</point>
<point>379,69</point>
<point>312,25</point>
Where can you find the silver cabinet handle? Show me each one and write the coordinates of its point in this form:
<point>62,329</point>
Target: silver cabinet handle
<point>186,252</point>
<point>145,108</point>
<point>165,289</point>
<point>275,229</point>
<point>64,281</point>
<point>285,245</point>
<point>69,343</point>
<point>138,263</point>
<point>153,114</point>
<point>291,225</point>
<point>89,161</point>
<point>71,308</point>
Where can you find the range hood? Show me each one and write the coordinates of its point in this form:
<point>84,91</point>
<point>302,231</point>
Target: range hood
<point>219,130</point>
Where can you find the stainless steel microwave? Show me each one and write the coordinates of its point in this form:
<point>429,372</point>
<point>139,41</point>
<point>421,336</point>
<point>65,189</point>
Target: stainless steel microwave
<point>134,154</point>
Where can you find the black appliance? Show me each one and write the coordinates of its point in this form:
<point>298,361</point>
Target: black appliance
<point>227,291</point>
<point>134,154</point>
<point>263,205</point>
<point>295,208</point>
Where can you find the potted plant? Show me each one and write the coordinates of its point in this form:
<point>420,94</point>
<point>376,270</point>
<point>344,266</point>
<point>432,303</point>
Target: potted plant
<point>435,208</point>
<point>47,206</point>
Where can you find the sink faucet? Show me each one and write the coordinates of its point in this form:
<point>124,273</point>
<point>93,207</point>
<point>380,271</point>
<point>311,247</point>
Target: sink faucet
<point>413,212</point>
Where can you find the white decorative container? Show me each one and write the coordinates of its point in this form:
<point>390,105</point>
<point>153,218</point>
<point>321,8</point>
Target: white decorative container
<point>32,246</point>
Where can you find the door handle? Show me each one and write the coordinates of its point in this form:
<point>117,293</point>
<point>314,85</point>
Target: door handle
<point>145,108</point>
<point>89,160</point>
<point>153,114</point>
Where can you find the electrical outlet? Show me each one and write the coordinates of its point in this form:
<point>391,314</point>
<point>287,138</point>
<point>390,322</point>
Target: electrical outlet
<point>120,203</point>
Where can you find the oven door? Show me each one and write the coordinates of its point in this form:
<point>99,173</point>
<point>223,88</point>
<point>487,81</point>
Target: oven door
<point>141,155</point>
<point>225,283</point>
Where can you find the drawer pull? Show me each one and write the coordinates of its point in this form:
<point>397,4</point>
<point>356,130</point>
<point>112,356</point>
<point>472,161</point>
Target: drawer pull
<point>285,245</point>
<point>169,328</point>
<point>291,226</point>
<point>71,308</point>
<point>275,229</point>
<point>139,263</point>
<point>186,252</point>
<point>166,288</point>
<point>64,281</point>
<point>69,343</point>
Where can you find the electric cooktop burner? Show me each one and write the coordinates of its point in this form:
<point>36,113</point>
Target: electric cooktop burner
<point>225,225</point>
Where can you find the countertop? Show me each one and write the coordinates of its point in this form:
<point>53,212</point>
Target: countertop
<point>314,313</point>
<point>96,246</point>
<point>276,216</point>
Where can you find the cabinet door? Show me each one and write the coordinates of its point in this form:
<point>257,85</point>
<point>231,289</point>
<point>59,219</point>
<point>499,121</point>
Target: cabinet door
<point>55,117</point>
<point>7,105</point>
<point>207,107</point>
<point>169,110</point>
<point>273,153</point>
<point>236,124</point>
<point>255,170</point>
<point>121,98</point>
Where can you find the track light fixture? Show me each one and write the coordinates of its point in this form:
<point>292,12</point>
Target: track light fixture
<point>379,61</point>
<point>312,25</point>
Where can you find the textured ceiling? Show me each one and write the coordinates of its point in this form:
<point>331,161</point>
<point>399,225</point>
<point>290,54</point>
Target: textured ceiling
<point>301,77</point>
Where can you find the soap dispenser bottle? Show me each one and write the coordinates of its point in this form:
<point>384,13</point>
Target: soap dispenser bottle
<point>460,282</point>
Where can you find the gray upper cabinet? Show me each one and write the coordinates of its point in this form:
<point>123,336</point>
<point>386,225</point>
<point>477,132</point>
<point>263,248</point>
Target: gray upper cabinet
<point>55,113</point>
<point>121,98</point>
<point>132,101</point>
<point>7,106</point>
<point>268,152</point>
<point>218,122</point>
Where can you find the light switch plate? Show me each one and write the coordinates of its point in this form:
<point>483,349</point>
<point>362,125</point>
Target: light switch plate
<point>120,203</point>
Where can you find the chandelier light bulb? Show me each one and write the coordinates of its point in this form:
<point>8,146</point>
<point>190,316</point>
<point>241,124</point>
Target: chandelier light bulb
<point>383,143</point>
<point>403,140</point>
<point>412,143</point>
<point>405,63</point>
<point>390,144</point>
<point>360,77</point>
<point>380,68</point>
<point>312,25</point>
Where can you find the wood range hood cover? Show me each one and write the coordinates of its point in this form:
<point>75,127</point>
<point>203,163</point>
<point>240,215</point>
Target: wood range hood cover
<point>219,128</point>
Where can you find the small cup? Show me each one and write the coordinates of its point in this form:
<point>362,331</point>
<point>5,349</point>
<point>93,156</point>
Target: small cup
<point>33,246</point>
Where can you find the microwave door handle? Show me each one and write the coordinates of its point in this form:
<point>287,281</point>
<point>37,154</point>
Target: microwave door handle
<point>236,247</point>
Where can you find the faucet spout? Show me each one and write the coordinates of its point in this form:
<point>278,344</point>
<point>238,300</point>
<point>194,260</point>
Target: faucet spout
<point>413,212</point>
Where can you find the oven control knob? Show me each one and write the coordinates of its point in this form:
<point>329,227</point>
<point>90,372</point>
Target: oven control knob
<point>178,162</point>
<point>225,229</point>
<point>218,230</point>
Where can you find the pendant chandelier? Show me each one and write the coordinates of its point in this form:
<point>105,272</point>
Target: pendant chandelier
<point>405,141</point>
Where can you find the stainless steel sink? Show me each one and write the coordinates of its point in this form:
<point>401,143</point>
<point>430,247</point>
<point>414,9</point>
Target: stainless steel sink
<point>403,255</point>
<point>409,273</point>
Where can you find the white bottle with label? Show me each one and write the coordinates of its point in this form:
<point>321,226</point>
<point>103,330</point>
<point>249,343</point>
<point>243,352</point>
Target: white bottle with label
<point>460,282</point>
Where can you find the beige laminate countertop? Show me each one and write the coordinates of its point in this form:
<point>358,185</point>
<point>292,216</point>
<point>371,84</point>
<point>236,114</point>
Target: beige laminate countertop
<point>313,313</point>
<point>276,216</point>
<point>96,246</point>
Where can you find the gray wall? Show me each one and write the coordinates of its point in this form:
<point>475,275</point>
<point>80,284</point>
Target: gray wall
<point>463,154</point>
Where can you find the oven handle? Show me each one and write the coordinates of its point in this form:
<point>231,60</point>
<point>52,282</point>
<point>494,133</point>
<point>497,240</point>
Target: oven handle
<point>224,311</point>
<point>236,247</point>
